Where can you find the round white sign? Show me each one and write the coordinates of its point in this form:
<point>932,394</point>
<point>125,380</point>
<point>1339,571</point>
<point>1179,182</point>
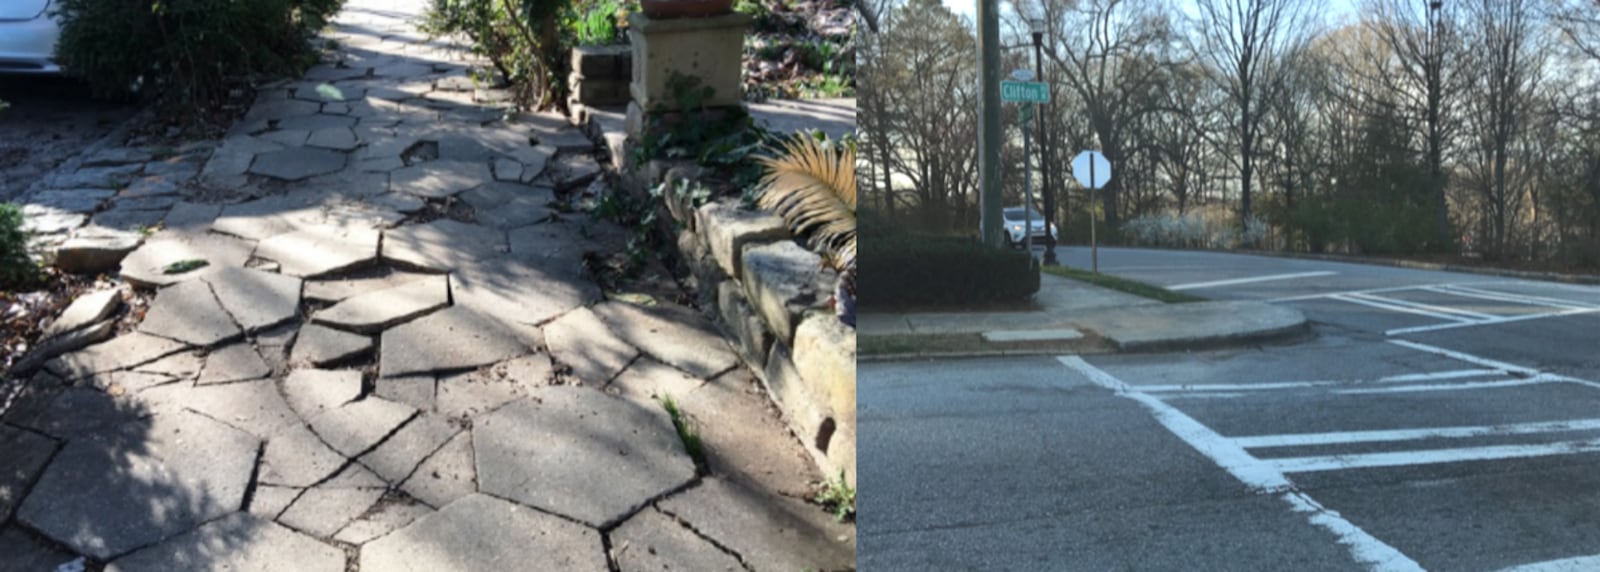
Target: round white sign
<point>1022,74</point>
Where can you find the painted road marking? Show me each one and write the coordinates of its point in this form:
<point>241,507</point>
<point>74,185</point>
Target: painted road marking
<point>1253,472</point>
<point>1235,281</point>
<point>1466,357</point>
<point>1394,308</point>
<point>1501,297</point>
<point>1431,456</point>
<point>1387,436</point>
<point>1472,385</point>
<point>1523,318</point>
<point>1575,564</point>
<point>1428,307</point>
<point>1208,388</point>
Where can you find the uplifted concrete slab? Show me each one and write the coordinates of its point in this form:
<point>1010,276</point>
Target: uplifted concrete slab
<point>312,391</point>
<point>321,250</point>
<point>1195,325</point>
<point>442,245</point>
<point>440,179</point>
<point>257,300</point>
<point>336,290</point>
<point>237,362</point>
<point>85,310</point>
<point>653,541</point>
<point>115,492</point>
<point>296,163</point>
<point>121,352</point>
<point>377,310</point>
<point>545,451</point>
<point>452,339</point>
<point>479,532</point>
<point>318,346</point>
<point>355,427</point>
<point>147,266</point>
<point>189,313</point>
<point>500,288</point>
<point>240,541</point>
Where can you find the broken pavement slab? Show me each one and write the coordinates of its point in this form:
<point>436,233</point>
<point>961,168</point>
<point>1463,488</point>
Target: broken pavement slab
<point>377,310</point>
<point>188,312</point>
<point>256,300</point>
<point>479,532</point>
<point>147,266</point>
<point>453,339</point>
<point>116,492</point>
<point>545,451</point>
<point>320,250</point>
<point>239,541</point>
<point>84,311</point>
<point>318,346</point>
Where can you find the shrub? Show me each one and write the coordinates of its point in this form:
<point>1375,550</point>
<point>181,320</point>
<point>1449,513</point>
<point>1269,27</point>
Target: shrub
<point>16,269</point>
<point>914,269</point>
<point>185,50</point>
<point>593,23</point>
<point>520,37</point>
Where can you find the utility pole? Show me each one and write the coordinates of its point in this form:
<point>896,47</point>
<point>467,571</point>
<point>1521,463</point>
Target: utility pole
<point>1038,25</point>
<point>989,139</point>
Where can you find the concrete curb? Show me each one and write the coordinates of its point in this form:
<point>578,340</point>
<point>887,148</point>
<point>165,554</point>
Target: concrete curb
<point>1295,328</point>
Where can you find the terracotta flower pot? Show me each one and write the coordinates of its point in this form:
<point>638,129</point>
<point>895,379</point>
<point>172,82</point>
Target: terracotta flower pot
<point>685,8</point>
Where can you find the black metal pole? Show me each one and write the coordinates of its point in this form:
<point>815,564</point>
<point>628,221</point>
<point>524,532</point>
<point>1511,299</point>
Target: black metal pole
<point>1044,161</point>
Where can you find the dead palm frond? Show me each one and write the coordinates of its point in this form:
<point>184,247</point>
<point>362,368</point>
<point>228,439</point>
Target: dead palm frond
<point>812,186</point>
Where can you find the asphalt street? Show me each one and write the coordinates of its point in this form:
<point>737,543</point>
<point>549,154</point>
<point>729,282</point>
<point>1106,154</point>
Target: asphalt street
<point>1437,421</point>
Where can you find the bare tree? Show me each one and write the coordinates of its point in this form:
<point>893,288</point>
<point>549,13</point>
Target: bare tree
<point>1110,54</point>
<point>1246,43</point>
<point>1501,107</point>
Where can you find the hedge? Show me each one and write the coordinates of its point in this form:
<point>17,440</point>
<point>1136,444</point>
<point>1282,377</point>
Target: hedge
<point>900,270</point>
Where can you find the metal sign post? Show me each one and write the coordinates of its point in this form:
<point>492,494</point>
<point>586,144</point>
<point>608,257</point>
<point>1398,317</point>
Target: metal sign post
<point>1093,171</point>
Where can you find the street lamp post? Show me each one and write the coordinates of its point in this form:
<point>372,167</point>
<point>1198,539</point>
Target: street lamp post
<point>1036,24</point>
<point>989,134</point>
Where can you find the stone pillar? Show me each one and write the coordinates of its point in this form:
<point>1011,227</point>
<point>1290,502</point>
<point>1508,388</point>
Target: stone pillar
<point>708,48</point>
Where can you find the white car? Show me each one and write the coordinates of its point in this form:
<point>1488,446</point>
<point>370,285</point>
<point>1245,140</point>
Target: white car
<point>28,36</point>
<point>1015,219</point>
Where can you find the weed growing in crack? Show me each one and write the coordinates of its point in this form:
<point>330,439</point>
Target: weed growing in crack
<point>686,432</point>
<point>839,497</point>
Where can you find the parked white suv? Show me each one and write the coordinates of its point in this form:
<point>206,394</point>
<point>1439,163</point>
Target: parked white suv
<point>1016,219</point>
<point>28,38</point>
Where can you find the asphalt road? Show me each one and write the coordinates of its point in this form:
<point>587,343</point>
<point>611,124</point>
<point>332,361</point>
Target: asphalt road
<point>1437,421</point>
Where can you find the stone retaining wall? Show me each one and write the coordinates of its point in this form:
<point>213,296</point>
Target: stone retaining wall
<point>769,296</point>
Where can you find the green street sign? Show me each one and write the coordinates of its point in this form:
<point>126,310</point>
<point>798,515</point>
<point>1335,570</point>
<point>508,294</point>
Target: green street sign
<point>1024,92</point>
<point>1026,114</point>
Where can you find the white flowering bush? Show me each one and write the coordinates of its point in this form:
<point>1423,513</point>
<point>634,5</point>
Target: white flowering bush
<point>1195,230</point>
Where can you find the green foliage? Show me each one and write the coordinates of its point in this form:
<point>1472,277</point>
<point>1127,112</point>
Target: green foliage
<point>686,432</point>
<point>185,50</point>
<point>16,269</point>
<point>520,37</point>
<point>839,497</point>
<point>183,266</point>
<point>595,24</point>
<point>1381,203</point>
<point>913,270</point>
<point>727,141</point>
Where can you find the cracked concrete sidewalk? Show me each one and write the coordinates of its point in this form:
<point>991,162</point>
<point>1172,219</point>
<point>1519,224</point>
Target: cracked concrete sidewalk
<point>393,358</point>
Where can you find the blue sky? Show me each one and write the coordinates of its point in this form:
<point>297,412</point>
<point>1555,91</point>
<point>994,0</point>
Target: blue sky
<point>1335,8</point>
